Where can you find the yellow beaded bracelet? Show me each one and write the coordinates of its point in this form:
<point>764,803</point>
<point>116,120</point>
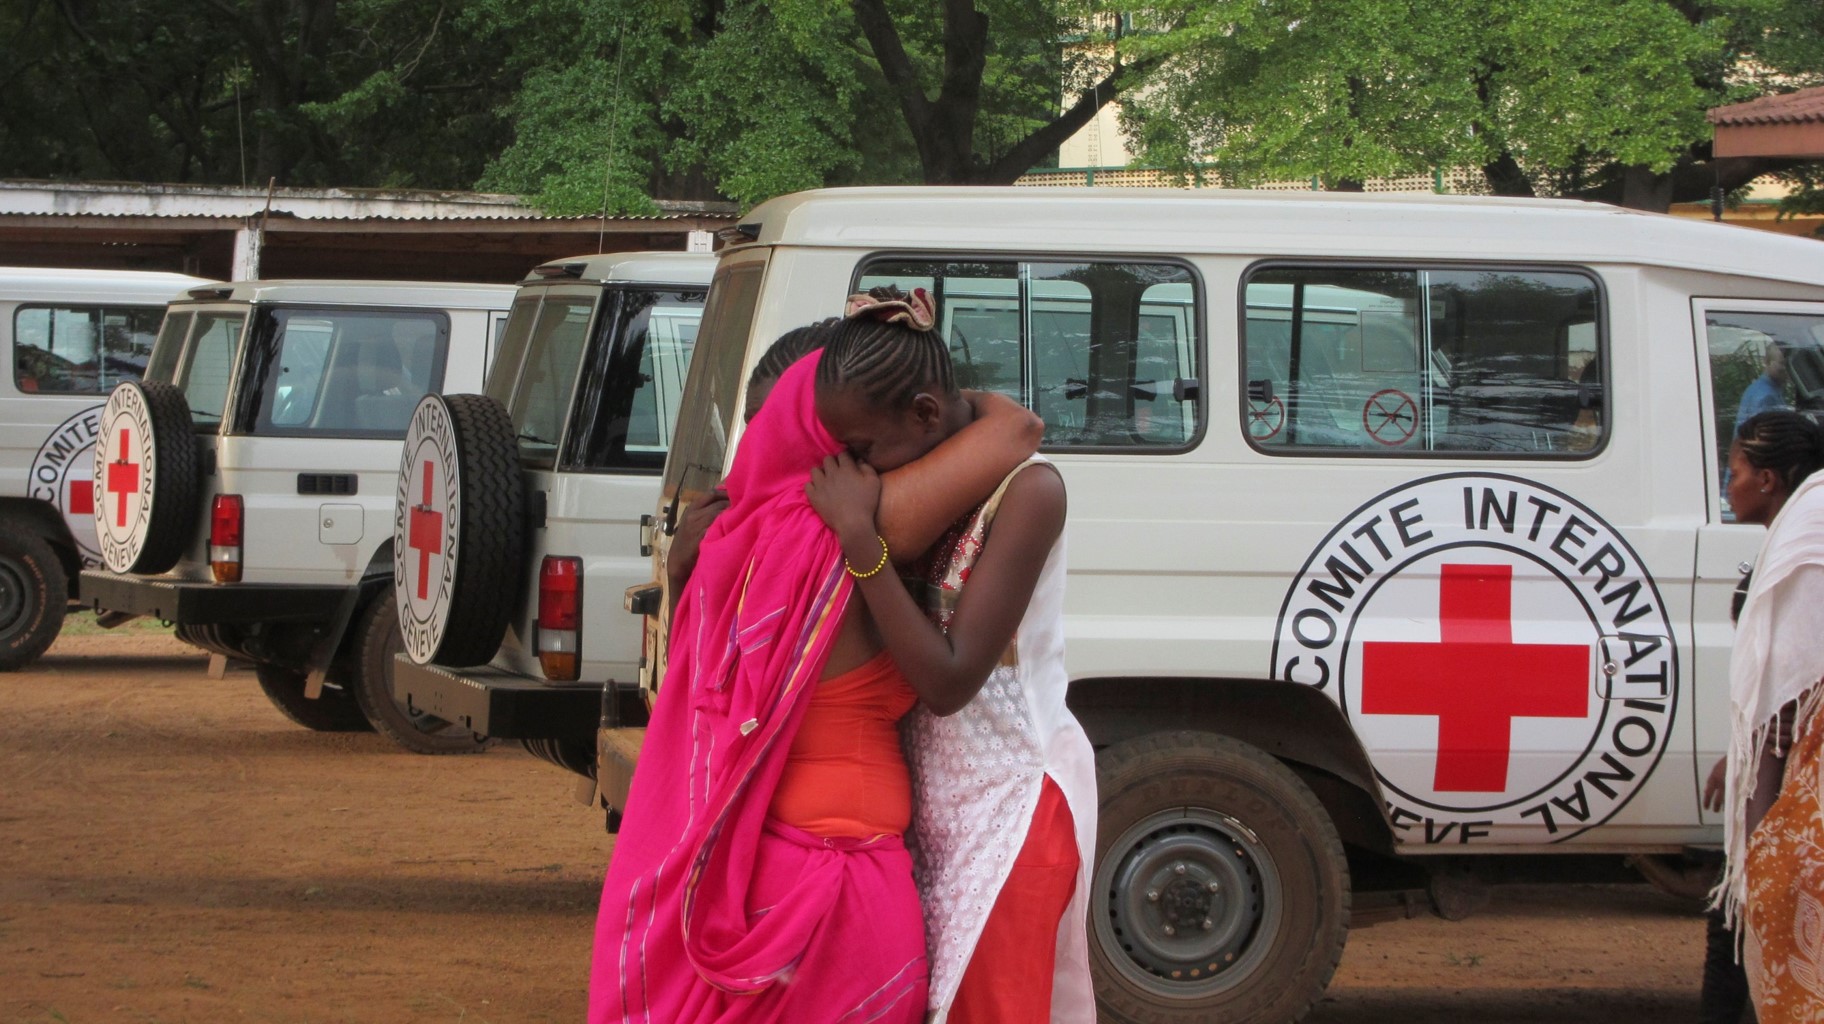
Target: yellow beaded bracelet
<point>882,564</point>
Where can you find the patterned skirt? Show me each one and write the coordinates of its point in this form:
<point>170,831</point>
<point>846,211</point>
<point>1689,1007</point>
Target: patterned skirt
<point>1783,944</point>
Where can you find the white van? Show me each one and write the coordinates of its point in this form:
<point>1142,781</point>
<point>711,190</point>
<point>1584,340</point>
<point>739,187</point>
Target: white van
<point>69,337</point>
<point>518,525</point>
<point>247,483</point>
<point>1398,552</point>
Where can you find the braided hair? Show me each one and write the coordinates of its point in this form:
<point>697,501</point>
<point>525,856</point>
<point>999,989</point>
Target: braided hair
<point>1787,442</point>
<point>792,346</point>
<point>887,363</point>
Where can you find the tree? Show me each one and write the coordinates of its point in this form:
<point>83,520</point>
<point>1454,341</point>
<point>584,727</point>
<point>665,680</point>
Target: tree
<point>1596,100</point>
<point>311,92</point>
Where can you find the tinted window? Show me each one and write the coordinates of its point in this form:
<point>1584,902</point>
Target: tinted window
<point>708,407</point>
<point>1409,361</point>
<point>81,350</point>
<point>345,373</point>
<point>632,377</point>
<point>208,363</point>
<point>1760,362</point>
<point>1105,353</point>
<point>547,374</point>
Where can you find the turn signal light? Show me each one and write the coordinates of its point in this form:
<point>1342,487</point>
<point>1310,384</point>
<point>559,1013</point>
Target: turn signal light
<point>225,521</point>
<point>560,617</point>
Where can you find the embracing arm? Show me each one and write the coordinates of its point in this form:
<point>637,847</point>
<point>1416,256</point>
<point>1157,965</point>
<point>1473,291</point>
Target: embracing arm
<point>920,500</point>
<point>948,669</point>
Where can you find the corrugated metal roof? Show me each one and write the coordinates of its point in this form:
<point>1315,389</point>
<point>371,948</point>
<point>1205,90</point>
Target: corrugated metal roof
<point>1801,107</point>
<point>110,199</point>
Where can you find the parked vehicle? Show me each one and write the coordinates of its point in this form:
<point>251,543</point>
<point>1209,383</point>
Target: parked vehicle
<point>70,336</point>
<point>1399,559</point>
<point>245,486</point>
<point>518,522</point>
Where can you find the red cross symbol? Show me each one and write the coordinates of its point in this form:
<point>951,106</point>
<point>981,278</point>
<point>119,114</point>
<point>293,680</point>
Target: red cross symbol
<point>123,479</point>
<point>82,498</point>
<point>1476,680</point>
<point>427,534</point>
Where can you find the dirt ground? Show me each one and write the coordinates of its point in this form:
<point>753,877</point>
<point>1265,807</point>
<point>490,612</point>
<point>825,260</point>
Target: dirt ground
<point>171,849</point>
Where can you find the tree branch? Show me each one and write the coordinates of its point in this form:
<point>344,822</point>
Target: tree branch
<point>877,25</point>
<point>1029,150</point>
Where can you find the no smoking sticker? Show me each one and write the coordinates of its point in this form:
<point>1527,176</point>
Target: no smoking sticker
<point>1265,419</point>
<point>1390,417</point>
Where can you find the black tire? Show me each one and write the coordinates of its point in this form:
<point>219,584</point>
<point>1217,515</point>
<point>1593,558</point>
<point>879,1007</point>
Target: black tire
<point>487,534</point>
<point>1221,891</point>
<point>373,687</point>
<point>334,710</point>
<point>173,489</point>
<point>33,594</point>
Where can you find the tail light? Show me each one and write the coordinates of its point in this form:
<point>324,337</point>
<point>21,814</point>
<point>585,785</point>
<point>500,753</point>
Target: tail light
<point>560,617</point>
<point>225,521</point>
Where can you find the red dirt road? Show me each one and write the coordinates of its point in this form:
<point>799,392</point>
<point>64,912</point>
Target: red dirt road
<point>172,850</point>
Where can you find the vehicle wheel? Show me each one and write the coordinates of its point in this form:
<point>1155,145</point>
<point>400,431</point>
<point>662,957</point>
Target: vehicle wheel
<point>145,478</point>
<point>1221,891</point>
<point>373,685</point>
<point>458,530</point>
<point>334,710</point>
<point>33,594</point>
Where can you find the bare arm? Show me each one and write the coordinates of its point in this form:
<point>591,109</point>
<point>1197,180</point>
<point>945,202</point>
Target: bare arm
<point>1770,774</point>
<point>947,669</point>
<point>920,500</point>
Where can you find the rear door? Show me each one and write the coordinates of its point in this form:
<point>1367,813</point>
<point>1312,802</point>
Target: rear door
<point>1757,356</point>
<point>322,404</point>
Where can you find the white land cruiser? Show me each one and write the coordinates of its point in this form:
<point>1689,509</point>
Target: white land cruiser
<point>1398,554</point>
<point>518,524</point>
<point>244,490</point>
<point>69,337</point>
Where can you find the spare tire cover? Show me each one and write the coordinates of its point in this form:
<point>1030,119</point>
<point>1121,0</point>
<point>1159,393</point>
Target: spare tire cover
<point>458,530</point>
<point>145,478</point>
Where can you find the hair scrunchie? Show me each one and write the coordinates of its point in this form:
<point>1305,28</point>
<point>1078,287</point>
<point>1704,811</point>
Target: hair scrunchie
<point>889,305</point>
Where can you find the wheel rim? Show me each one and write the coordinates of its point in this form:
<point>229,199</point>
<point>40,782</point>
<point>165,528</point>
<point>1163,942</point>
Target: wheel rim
<point>1191,903</point>
<point>12,597</point>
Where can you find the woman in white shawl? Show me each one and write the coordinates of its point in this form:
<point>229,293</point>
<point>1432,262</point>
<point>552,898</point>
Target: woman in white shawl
<point>1773,889</point>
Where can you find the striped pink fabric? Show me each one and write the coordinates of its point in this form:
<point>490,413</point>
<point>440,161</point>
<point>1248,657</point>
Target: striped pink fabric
<point>710,912</point>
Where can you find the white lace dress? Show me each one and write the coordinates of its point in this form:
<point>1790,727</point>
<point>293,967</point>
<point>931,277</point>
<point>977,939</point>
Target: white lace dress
<point>977,776</point>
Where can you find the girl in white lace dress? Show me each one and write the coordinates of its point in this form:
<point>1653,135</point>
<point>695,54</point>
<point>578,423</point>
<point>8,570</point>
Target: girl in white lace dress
<point>1004,778</point>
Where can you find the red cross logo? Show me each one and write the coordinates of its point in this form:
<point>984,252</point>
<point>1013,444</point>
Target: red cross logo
<point>123,479</point>
<point>427,534</point>
<point>82,498</point>
<point>1476,680</point>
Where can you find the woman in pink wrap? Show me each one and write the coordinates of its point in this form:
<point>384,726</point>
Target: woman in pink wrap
<point>761,873</point>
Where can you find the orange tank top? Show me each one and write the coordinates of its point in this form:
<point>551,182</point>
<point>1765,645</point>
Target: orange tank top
<point>845,775</point>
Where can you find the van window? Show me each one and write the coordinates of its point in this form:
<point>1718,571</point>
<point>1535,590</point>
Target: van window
<point>504,369</point>
<point>168,350</point>
<point>708,408</point>
<point>81,350</point>
<point>344,373</point>
<point>547,374</point>
<point>631,380</point>
<point>1760,362</point>
<point>207,365</point>
<point>1105,353</point>
<point>1397,361</point>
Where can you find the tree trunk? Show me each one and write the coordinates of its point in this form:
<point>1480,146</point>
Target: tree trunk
<point>1506,178</point>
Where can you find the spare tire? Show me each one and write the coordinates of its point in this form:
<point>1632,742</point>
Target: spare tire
<point>145,478</point>
<point>459,533</point>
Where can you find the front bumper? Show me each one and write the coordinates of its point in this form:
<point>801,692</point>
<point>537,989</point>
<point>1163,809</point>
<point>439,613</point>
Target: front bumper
<point>198,603</point>
<point>493,702</point>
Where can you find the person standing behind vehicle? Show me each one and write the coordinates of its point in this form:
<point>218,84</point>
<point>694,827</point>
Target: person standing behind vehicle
<point>1767,392</point>
<point>1004,820</point>
<point>1773,885</point>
